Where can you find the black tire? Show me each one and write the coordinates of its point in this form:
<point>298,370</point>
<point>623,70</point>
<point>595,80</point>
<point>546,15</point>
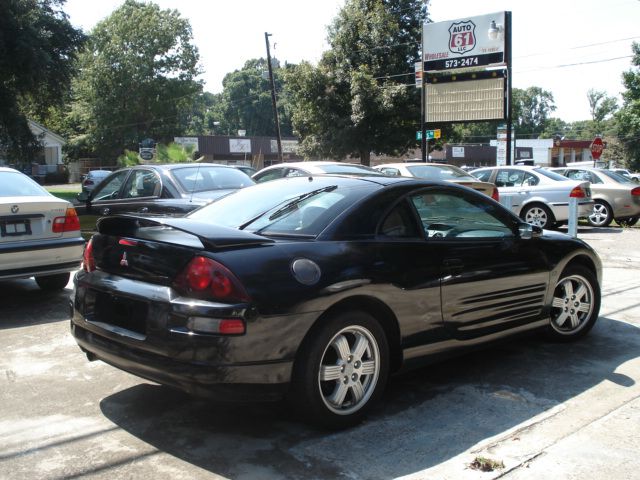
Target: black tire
<point>51,283</point>
<point>539,215</point>
<point>575,305</point>
<point>627,222</point>
<point>354,377</point>
<point>602,214</point>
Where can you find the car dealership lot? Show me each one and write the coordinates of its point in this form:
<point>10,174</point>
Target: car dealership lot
<point>545,410</point>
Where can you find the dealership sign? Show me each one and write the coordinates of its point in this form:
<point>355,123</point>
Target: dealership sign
<point>464,43</point>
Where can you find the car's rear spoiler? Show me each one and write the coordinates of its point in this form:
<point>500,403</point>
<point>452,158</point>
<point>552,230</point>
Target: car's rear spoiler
<point>211,235</point>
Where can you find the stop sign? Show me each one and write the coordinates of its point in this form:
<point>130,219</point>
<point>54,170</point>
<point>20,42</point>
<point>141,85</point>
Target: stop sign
<point>596,148</point>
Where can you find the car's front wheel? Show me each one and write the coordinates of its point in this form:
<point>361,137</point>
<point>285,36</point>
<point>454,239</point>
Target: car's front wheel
<point>52,283</point>
<point>341,370</point>
<point>601,215</point>
<point>576,304</point>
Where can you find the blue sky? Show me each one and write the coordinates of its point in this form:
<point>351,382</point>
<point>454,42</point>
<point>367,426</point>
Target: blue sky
<point>564,46</point>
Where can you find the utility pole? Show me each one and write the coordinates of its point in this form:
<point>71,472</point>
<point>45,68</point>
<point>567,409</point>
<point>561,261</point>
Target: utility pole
<point>273,97</point>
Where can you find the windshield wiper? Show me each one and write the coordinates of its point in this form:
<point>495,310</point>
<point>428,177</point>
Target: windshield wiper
<point>293,204</point>
<point>288,206</point>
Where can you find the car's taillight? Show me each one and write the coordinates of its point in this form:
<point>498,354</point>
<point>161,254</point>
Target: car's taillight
<point>88,262</point>
<point>578,192</point>
<point>69,223</point>
<point>635,191</point>
<point>88,182</point>
<point>495,194</point>
<point>206,278</point>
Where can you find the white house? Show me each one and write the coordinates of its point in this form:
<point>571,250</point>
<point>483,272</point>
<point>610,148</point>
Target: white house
<point>50,156</point>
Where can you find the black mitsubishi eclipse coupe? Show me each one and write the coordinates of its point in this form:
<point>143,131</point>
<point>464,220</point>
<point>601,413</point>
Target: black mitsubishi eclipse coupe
<point>316,288</point>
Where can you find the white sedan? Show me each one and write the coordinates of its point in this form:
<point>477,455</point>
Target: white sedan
<point>39,233</point>
<point>538,196</point>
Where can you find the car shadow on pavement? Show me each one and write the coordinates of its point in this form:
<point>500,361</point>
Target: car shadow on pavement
<point>22,304</point>
<point>427,416</point>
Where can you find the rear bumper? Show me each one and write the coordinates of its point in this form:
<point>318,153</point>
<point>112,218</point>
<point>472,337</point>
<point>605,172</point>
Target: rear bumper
<point>219,382</point>
<point>27,259</point>
<point>142,328</point>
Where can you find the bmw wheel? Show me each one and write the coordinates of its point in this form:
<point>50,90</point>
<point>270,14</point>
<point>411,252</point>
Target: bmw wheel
<point>538,215</point>
<point>341,370</point>
<point>601,215</point>
<point>51,283</point>
<point>576,304</point>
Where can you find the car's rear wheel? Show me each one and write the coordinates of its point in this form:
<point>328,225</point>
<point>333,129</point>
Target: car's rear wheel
<point>52,283</point>
<point>601,215</point>
<point>341,370</point>
<point>538,215</point>
<point>576,304</point>
<point>627,222</point>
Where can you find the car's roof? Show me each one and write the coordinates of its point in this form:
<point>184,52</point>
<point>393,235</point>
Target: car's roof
<point>311,164</point>
<point>414,164</point>
<point>8,169</point>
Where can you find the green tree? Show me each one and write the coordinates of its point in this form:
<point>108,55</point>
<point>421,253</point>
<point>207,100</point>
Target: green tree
<point>531,110</point>
<point>38,47</point>
<point>138,75</point>
<point>246,103</point>
<point>360,98</point>
<point>629,115</point>
<point>601,106</point>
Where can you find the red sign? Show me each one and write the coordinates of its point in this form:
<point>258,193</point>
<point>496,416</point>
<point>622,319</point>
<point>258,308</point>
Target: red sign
<point>596,148</point>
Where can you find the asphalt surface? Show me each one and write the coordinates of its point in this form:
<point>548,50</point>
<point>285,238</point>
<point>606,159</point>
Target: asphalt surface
<point>543,410</point>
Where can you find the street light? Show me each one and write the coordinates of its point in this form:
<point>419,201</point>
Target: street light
<point>495,30</point>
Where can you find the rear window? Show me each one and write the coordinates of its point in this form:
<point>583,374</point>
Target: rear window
<point>16,184</point>
<point>552,175</point>
<point>617,177</point>
<point>288,207</point>
<point>432,172</point>
<point>201,179</point>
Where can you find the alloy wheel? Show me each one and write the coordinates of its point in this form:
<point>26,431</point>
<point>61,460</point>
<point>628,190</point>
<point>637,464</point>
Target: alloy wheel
<point>573,304</point>
<point>349,370</point>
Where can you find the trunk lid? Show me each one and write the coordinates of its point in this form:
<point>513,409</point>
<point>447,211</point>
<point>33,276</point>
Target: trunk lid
<point>29,218</point>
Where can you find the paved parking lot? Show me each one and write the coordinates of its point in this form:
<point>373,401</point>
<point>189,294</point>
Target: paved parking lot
<point>544,410</point>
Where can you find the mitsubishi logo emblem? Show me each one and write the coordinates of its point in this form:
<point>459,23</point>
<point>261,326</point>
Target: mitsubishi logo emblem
<point>123,260</point>
<point>15,208</point>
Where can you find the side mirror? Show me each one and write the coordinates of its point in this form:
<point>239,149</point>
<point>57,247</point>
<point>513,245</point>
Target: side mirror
<point>528,231</point>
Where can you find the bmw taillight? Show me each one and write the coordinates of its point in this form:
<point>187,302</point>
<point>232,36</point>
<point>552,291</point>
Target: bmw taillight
<point>495,194</point>
<point>207,279</point>
<point>636,191</point>
<point>69,223</point>
<point>578,192</point>
<point>88,262</point>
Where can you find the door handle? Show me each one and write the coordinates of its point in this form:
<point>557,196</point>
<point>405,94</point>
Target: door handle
<point>144,210</point>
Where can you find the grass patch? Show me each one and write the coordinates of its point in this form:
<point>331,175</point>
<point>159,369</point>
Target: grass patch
<point>66,192</point>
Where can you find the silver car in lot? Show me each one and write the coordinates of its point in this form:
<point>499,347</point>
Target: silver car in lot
<point>615,196</point>
<point>39,233</point>
<point>440,172</point>
<point>538,196</point>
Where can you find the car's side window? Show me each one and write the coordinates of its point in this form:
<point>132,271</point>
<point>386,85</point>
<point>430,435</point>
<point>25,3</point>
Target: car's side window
<point>399,223</point>
<point>482,175</point>
<point>390,171</point>
<point>530,180</point>
<point>270,175</point>
<point>142,183</point>
<point>109,189</point>
<point>447,215</point>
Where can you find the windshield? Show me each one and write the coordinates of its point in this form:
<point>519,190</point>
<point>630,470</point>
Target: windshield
<point>551,175</point>
<point>202,178</point>
<point>440,172</point>
<point>293,206</point>
<point>16,184</point>
<point>617,177</point>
